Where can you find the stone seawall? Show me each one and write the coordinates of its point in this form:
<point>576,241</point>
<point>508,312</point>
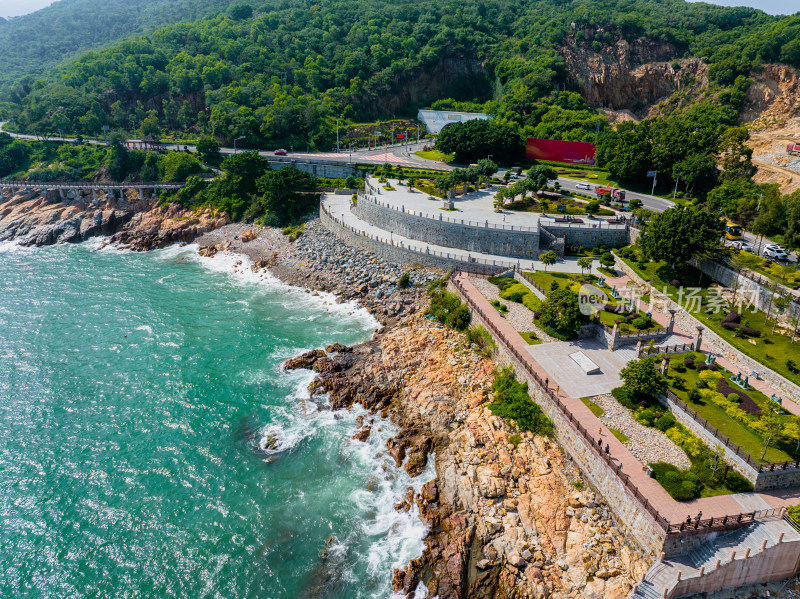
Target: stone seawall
<point>743,363</point>
<point>637,523</point>
<point>592,233</point>
<point>393,253</point>
<point>444,232</point>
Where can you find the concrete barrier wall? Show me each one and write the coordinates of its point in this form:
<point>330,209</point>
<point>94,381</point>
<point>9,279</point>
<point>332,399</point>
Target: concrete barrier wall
<point>519,244</point>
<point>636,522</point>
<point>588,236</point>
<point>318,169</point>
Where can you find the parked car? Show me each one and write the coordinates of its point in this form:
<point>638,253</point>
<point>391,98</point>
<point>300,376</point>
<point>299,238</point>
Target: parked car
<point>742,246</point>
<point>776,252</point>
<point>583,186</point>
<point>281,152</point>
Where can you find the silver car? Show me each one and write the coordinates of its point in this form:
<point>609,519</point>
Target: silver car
<point>776,252</point>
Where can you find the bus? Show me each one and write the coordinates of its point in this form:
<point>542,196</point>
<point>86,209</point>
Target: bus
<point>733,231</point>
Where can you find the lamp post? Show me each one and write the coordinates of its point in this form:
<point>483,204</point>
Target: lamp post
<point>337,136</point>
<point>234,142</point>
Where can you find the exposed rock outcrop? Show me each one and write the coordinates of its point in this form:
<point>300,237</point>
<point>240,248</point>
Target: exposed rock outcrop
<point>504,522</point>
<point>37,218</point>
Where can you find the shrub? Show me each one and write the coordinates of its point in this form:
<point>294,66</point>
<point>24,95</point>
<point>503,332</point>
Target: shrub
<point>641,322</point>
<point>675,282</point>
<point>512,401</point>
<point>666,422</point>
<point>733,397</point>
<point>688,362</point>
<point>731,326</point>
<point>516,296</point>
<point>679,367</point>
<point>459,318</point>
<point>713,367</point>
<point>682,485</point>
<point>404,281</point>
<point>625,397</point>
<point>738,483</point>
<point>742,400</point>
<point>483,339</point>
<point>702,366</point>
<point>751,332</point>
<point>693,395</point>
<point>514,440</point>
<point>679,382</point>
<point>731,316</point>
<point>647,416</point>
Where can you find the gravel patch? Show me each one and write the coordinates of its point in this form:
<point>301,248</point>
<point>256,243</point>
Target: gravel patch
<point>518,316</point>
<point>647,444</point>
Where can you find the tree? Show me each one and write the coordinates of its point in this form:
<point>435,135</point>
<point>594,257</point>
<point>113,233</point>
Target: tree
<point>641,377</point>
<point>179,165</point>
<point>560,310</point>
<point>486,168</point>
<point>742,261</point>
<point>736,154</point>
<point>585,264</point>
<point>541,175</point>
<point>592,207</point>
<point>548,259</point>
<point>769,426</point>
<point>248,167</point>
<point>791,431</point>
<point>208,148</point>
<point>472,140</point>
<point>635,203</point>
<point>781,303</point>
<point>241,12</point>
<point>607,260</point>
<point>680,233</point>
<point>283,198</point>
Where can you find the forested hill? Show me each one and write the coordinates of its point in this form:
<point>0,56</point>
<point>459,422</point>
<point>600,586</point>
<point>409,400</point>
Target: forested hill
<point>281,73</point>
<point>33,45</point>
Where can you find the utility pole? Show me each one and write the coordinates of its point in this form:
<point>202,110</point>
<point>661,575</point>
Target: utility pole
<point>235,139</point>
<point>655,176</point>
<point>417,133</point>
<point>675,192</point>
<point>337,136</point>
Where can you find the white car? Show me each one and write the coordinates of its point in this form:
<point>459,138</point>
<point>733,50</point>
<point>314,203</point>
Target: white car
<point>776,252</point>
<point>742,246</point>
<point>583,186</point>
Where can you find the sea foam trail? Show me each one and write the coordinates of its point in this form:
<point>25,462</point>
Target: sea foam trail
<point>381,538</point>
<point>238,267</point>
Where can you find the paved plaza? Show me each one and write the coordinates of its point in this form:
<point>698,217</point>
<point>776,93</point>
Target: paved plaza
<point>565,372</point>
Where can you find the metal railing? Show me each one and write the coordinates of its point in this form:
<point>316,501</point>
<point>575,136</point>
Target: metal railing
<point>17,184</point>
<point>757,467</point>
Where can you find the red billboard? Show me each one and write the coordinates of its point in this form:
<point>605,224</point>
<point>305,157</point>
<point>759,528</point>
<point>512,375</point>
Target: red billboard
<point>554,150</point>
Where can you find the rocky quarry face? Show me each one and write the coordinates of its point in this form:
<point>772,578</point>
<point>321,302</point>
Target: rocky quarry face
<point>35,218</point>
<point>504,522</point>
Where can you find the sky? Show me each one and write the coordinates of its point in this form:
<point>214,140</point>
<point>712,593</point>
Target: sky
<point>14,8</point>
<point>773,7</point>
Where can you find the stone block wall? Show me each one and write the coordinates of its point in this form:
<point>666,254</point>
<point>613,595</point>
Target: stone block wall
<point>394,253</point>
<point>777,562</point>
<point>590,234</point>
<point>318,169</point>
<point>519,244</point>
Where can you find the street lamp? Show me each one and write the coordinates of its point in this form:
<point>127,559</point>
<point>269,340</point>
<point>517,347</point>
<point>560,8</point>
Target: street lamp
<point>234,142</point>
<point>337,136</point>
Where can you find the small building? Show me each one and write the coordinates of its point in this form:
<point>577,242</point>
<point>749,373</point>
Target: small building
<point>436,120</point>
<point>149,143</point>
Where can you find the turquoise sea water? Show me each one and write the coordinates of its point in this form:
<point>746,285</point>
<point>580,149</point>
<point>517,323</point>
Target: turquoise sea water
<point>137,394</point>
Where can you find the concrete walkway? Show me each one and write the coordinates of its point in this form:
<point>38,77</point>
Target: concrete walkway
<point>673,511</point>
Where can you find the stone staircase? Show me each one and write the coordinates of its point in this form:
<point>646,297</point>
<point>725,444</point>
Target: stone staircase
<point>711,559</point>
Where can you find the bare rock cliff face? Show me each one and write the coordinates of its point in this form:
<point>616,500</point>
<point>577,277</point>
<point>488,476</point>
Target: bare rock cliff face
<point>631,75</point>
<point>774,94</point>
<point>504,522</point>
<point>35,218</point>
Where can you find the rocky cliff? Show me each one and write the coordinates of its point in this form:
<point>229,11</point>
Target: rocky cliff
<point>36,218</point>
<point>505,521</point>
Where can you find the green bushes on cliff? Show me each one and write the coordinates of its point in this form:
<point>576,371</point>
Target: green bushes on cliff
<point>511,400</point>
<point>448,309</point>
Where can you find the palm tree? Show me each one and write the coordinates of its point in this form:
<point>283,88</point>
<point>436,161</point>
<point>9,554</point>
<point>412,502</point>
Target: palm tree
<point>585,264</point>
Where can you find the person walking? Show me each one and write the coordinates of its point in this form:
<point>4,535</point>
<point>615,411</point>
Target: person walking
<point>606,450</point>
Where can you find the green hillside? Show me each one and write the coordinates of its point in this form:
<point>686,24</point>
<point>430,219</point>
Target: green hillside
<point>33,45</point>
<point>283,75</point>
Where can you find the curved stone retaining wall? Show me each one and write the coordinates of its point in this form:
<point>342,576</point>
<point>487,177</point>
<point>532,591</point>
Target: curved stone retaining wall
<point>395,253</point>
<point>443,231</point>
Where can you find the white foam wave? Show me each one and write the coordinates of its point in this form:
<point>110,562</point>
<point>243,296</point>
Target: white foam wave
<point>238,267</point>
<point>13,247</point>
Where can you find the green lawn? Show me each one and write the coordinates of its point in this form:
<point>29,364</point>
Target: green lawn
<point>619,435</point>
<point>435,155</point>
<point>771,350</point>
<point>598,177</point>
<point>531,338</point>
<point>596,410</point>
<point>738,432</point>
<point>771,272</point>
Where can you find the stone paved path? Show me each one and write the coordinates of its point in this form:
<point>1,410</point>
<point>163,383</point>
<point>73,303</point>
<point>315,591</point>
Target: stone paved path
<point>673,511</point>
